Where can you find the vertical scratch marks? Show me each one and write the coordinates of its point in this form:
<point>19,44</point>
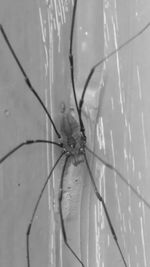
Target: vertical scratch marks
<point>143,242</point>
<point>118,66</point>
<point>144,140</point>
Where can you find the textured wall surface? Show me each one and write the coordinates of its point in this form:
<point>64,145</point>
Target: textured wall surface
<point>116,117</point>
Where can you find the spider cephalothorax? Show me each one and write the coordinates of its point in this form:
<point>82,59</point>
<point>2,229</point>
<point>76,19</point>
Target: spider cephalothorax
<point>72,139</point>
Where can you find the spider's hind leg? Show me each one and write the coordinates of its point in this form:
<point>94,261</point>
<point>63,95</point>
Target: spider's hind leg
<point>61,213</point>
<point>100,198</point>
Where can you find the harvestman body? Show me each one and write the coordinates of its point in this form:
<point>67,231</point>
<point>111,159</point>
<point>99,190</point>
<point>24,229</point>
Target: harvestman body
<point>72,142</point>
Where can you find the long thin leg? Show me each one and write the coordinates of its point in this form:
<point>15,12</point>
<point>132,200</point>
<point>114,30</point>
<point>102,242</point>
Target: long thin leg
<point>105,210</point>
<point>27,142</point>
<point>104,59</point>
<point>138,195</point>
<point>71,54</point>
<point>61,215</point>
<point>27,78</point>
<point>71,60</point>
<point>35,209</point>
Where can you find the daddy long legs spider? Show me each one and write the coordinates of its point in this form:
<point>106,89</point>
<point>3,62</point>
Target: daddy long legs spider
<point>72,151</point>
